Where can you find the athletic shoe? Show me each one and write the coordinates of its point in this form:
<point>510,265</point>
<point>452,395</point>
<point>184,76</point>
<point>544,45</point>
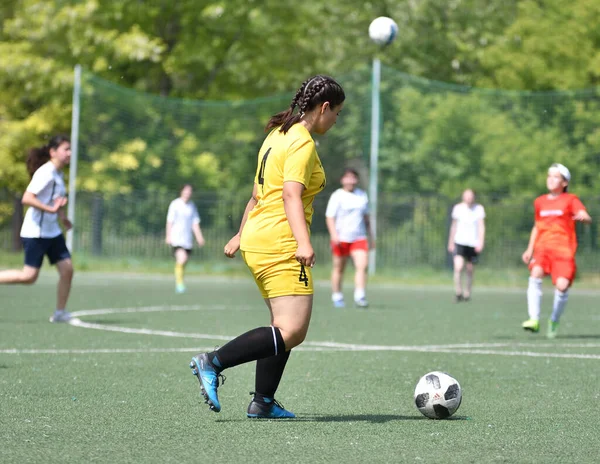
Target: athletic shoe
<point>180,288</point>
<point>552,329</point>
<point>533,325</point>
<point>208,377</point>
<point>270,409</point>
<point>339,304</point>
<point>362,303</point>
<point>61,316</point>
<point>458,298</point>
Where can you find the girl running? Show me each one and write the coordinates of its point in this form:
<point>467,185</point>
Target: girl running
<point>552,247</point>
<point>275,241</point>
<point>41,234</point>
<point>183,220</point>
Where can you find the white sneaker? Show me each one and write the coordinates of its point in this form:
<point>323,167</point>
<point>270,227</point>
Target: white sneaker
<point>61,316</point>
<point>362,303</point>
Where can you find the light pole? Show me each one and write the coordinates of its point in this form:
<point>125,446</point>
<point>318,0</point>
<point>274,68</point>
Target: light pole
<point>374,157</point>
<point>74,153</point>
<point>382,31</point>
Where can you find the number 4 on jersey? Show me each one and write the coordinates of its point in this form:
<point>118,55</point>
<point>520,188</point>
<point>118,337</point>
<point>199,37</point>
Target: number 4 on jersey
<point>261,171</point>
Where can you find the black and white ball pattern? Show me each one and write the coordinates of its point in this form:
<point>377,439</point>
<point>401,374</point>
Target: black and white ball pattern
<point>438,395</point>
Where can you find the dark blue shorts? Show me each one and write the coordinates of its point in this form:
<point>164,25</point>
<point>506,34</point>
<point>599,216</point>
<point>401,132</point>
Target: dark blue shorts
<point>35,249</point>
<point>187,250</point>
<point>467,252</point>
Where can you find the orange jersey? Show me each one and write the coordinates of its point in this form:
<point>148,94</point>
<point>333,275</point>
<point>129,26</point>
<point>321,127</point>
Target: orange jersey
<point>555,224</point>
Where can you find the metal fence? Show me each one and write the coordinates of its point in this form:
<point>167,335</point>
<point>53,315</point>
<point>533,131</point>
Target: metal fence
<point>412,231</point>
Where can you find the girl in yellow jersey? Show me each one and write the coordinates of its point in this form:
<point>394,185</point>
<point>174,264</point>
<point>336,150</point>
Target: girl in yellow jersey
<point>274,238</point>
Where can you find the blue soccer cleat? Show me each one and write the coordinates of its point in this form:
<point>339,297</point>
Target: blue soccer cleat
<point>270,409</point>
<point>209,380</point>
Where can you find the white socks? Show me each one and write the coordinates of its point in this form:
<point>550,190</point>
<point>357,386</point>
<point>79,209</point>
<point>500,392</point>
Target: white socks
<point>359,294</point>
<point>560,302</point>
<point>534,298</point>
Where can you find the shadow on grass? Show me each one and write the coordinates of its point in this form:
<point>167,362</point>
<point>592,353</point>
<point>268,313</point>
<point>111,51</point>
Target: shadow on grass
<point>371,418</point>
<point>583,336</point>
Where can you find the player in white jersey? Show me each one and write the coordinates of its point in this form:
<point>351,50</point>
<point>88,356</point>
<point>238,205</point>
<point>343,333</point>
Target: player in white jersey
<point>183,220</point>
<point>41,234</point>
<point>348,223</point>
<point>466,241</point>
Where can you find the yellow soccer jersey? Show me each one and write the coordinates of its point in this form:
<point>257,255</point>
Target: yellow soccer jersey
<point>282,158</point>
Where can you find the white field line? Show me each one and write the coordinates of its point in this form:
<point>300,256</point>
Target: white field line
<point>129,330</point>
<point>460,348</point>
<point>344,346</point>
<point>128,350</point>
<point>157,309</point>
<point>413,349</point>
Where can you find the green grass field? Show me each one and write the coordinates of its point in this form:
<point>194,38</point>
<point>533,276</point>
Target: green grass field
<point>118,389</point>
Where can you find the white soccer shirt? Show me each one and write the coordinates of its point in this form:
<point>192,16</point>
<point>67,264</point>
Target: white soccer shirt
<point>182,216</point>
<point>47,184</point>
<point>467,224</point>
<point>349,209</point>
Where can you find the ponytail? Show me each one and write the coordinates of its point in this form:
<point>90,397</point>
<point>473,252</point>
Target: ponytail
<point>313,92</point>
<point>286,119</point>
<point>36,158</point>
<point>41,155</point>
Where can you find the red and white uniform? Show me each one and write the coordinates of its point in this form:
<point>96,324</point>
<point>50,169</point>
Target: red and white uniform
<point>349,210</point>
<point>556,243</point>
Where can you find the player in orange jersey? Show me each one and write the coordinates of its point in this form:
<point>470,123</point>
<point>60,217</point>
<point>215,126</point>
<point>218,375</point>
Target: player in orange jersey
<point>552,247</point>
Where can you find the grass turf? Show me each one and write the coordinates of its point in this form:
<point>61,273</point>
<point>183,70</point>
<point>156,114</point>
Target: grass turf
<point>70,394</point>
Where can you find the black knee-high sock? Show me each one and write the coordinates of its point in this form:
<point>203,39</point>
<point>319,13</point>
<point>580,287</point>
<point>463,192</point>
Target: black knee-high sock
<point>268,374</point>
<point>259,343</point>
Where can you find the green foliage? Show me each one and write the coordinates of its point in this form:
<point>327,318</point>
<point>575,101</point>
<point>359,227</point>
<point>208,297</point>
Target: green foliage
<point>435,138</point>
<point>551,45</point>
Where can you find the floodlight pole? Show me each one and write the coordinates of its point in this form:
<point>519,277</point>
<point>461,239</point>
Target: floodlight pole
<point>74,152</point>
<point>374,157</point>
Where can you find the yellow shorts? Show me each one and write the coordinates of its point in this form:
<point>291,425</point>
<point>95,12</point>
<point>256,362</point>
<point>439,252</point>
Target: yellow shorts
<point>279,275</point>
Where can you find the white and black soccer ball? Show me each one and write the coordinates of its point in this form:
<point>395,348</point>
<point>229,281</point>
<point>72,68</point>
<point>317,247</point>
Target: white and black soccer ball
<point>383,30</point>
<point>438,395</point>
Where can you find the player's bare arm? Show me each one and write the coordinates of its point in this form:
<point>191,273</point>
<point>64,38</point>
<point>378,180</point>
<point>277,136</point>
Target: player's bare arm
<point>529,251</point>
<point>481,238</point>
<point>30,199</point>
<point>451,236</point>
<point>294,210</point>
<point>583,216</point>
<point>330,221</point>
<point>234,244</point>
<point>198,234</point>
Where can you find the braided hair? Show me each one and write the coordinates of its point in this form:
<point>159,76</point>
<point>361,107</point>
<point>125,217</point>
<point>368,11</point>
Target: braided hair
<point>41,155</point>
<point>313,92</point>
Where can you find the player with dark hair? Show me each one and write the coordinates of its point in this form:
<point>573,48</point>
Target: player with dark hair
<point>465,241</point>
<point>347,218</point>
<point>274,237</point>
<point>41,234</point>
<point>552,247</point>
<point>183,220</point>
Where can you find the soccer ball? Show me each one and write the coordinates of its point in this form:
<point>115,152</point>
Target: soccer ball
<point>383,30</point>
<point>438,395</point>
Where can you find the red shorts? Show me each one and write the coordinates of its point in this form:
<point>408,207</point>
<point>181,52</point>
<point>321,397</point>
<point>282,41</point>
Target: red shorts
<point>345,248</point>
<point>555,266</point>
